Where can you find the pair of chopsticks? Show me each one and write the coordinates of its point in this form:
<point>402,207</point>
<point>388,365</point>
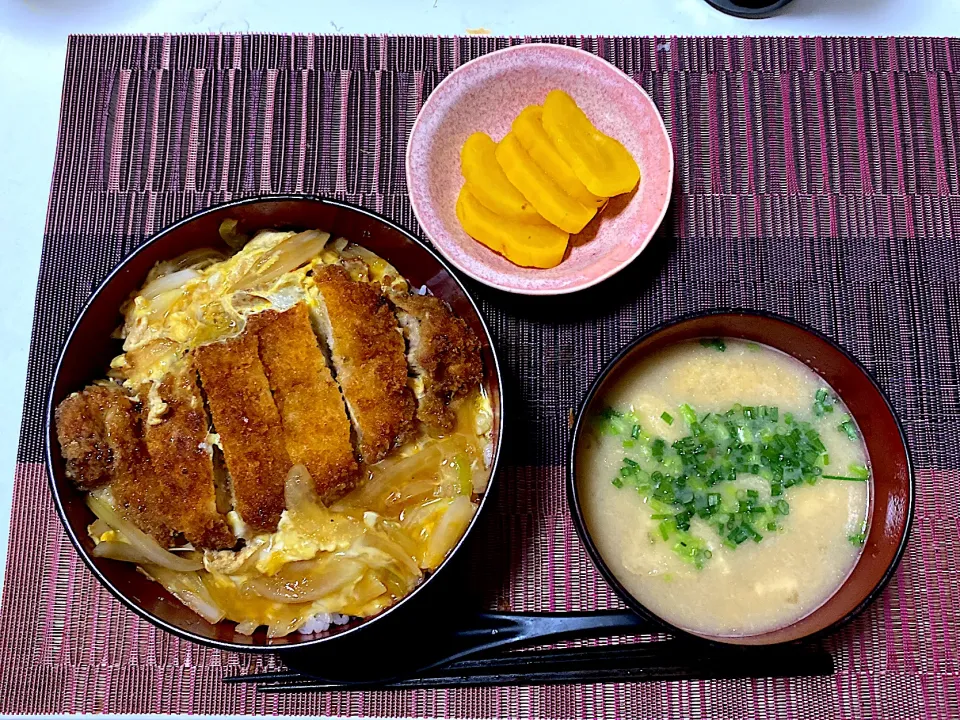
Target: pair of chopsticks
<point>629,662</point>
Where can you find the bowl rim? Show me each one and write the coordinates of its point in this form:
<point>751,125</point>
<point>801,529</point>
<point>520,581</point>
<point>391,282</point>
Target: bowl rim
<point>527,47</point>
<point>573,500</point>
<point>49,410</point>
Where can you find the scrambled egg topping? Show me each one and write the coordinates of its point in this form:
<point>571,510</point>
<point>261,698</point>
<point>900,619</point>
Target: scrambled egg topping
<point>181,307</point>
<point>367,550</point>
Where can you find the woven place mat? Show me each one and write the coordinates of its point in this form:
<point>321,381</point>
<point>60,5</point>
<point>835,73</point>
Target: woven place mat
<point>817,178</point>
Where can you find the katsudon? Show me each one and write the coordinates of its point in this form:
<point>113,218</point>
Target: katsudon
<point>292,435</point>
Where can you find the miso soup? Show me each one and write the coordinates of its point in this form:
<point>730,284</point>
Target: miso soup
<point>725,485</point>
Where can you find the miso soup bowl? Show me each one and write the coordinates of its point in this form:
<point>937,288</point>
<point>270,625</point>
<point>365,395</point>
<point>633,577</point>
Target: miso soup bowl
<point>892,494</point>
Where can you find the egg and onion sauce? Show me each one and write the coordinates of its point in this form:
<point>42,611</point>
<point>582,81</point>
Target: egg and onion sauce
<point>353,556</point>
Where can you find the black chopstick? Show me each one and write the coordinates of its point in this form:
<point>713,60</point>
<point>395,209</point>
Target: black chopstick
<point>634,662</point>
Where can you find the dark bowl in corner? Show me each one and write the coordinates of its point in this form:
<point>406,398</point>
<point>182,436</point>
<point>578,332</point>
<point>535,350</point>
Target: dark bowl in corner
<point>892,497</point>
<point>89,348</point>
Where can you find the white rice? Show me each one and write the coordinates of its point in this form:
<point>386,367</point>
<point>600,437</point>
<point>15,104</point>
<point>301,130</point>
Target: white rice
<point>322,621</point>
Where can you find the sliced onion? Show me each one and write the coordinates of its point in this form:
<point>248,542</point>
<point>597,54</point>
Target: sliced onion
<point>97,528</point>
<point>299,489</point>
<point>189,589</point>
<point>280,628</point>
<point>392,551</point>
<point>166,283</point>
<point>286,256</point>
<point>120,551</point>
<point>368,589</point>
<point>393,531</point>
<point>315,584</point>
<point>448,530</point>
<point>198,259</point>
<point>142,543</point>
<point>384,488</point>
<point>376,265</point>
<point>418,516</point>
<point>247,627</point>
<point>229,234</point>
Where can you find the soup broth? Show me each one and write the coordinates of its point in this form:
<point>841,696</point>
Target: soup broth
<point>725,485</point>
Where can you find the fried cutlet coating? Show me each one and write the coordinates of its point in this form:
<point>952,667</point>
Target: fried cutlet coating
<point>83,442</point>
<point>367,349</point>
<point>443,351</point>
<point>136,488</point>
<point>248,423</point>
<point>315,424</point>
<point>183,460</point>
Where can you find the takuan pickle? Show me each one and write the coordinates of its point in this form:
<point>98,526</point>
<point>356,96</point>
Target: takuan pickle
<point>545,180</point>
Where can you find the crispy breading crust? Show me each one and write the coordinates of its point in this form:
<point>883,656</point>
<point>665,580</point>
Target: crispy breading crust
<point>368,355</point>
<point>315,423</point>
<point>247,420</point>
<point>137,490</point>
<point>443,350</point>
<point>83,442</point>
<point>183,461</point>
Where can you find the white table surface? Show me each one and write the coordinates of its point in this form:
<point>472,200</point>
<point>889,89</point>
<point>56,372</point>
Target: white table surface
<point>33,45</point>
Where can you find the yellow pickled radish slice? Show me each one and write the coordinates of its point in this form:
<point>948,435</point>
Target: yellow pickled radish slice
<point>484,176</point>
<point>543,193</point>
<point>600,162</point>
<point>528,128</point>
<point>540,246</point>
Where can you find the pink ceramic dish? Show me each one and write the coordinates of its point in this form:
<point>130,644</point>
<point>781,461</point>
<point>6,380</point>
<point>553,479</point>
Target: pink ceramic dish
<point>485,95</point>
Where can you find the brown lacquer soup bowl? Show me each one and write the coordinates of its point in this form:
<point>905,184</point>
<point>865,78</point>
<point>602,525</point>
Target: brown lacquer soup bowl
<point>90,347</point>
<point>891,497</point>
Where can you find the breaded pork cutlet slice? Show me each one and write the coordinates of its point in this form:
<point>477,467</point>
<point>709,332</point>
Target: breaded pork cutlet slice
<point>248,423</point>
<point>316,429</point>
<point>442,351</point>
<point>103,420</point>
<point>367,350</point>
<point>83,440</point>
<point>183,460</point>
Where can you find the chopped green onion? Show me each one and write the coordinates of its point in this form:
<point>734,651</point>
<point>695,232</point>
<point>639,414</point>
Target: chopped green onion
<point>716,343</point>
<point>665,527</point>
<point>617,482</point>
<point>691,477</point>
<point>847,427</point>
<point>859,471</point>
<point>739,534</point>
<point>688,414</point>
<point>657,448</point>
<point>861,537</point>
<point>844,477</point>
<point>822,402</point>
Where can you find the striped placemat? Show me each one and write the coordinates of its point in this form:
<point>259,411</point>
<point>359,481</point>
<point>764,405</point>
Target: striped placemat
<point>816,177</point>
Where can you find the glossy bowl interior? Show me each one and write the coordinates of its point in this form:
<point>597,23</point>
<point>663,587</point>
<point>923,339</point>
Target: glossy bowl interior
<point>891,500</point>
<point>89,349</point>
